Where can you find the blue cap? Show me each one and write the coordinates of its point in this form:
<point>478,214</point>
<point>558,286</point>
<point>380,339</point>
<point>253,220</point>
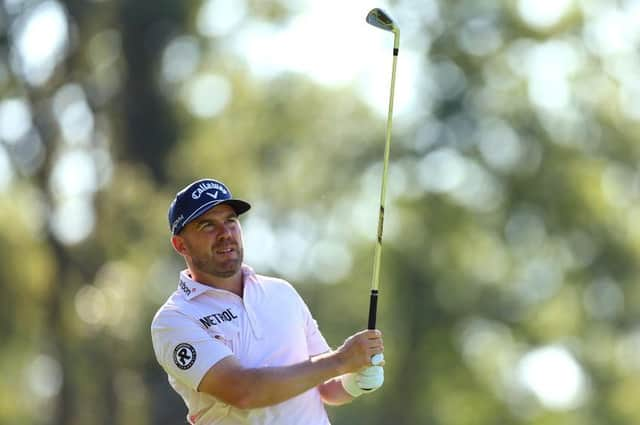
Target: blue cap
<point>198,198</point>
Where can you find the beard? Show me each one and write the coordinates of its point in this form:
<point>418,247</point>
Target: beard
<point>222,268</point>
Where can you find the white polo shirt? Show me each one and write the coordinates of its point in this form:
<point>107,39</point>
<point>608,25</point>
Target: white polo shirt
<point>269,326</point>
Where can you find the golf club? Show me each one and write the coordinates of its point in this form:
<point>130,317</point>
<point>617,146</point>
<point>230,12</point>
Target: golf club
<point>380,19</point>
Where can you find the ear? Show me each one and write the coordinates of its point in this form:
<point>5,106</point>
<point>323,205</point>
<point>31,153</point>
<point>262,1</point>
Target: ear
<point>178,244</point>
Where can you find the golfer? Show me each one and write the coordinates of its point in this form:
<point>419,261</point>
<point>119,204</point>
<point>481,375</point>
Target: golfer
<point>242,348</point>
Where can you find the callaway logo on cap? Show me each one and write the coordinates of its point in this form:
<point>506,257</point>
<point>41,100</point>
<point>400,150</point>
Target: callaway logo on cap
<point>199,197</point>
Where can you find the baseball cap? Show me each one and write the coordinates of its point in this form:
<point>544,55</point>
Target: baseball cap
<point>199,197</point>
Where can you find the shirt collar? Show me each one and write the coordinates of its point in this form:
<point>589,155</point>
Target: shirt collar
<point>248,275</point>
<point>191,288</point>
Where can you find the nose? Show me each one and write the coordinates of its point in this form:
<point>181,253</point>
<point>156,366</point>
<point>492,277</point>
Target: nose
<point>223,233</point>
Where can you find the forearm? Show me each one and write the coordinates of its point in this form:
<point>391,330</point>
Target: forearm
<point>248,388</point>
<point>259,387</point>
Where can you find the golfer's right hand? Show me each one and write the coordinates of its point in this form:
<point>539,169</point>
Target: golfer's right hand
<point>358,349</point>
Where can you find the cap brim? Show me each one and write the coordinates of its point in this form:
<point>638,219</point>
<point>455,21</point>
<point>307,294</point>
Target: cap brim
<point>238,205</point>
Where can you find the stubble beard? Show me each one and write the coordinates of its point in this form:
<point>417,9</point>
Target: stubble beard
<point>221,269</point>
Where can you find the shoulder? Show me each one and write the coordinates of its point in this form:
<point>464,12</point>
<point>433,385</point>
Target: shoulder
<point>273,288</point>
<point>267,282</point>
<point>173,311</point>
<point>276,284</point>
<point>282,292</point>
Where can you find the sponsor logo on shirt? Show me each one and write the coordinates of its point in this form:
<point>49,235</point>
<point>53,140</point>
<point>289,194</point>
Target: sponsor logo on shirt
<point>184,287</point>
<point>184,355</point>
<point>217,318</point>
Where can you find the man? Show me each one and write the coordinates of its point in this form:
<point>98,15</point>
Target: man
<point>242,348</point>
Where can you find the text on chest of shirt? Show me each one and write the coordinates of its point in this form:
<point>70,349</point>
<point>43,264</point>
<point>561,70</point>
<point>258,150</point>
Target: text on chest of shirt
<point>215,319</point>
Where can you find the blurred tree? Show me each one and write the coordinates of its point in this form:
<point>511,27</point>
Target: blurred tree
<point>67,100</point>
<point>149,126</point>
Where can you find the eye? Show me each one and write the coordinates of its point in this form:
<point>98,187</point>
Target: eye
<point>205,226</point>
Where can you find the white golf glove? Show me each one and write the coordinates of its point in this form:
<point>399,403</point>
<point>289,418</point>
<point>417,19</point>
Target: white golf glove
<point>365,381</point>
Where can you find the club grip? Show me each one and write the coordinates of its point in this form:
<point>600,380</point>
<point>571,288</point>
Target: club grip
<point>373,308</point>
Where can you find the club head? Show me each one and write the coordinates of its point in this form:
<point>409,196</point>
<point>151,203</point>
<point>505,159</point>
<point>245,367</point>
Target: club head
<point>380,19</point>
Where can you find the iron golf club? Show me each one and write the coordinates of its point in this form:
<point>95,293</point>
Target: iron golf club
<point>380,19</point>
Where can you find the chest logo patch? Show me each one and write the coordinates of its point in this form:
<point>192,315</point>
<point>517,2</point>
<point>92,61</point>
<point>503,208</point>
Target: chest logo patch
<point>184,355</point>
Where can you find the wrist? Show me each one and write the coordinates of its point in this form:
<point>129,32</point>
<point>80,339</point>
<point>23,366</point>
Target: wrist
<point>340,361</point>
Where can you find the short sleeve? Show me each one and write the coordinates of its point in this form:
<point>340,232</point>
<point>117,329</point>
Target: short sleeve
<point>316,342</point>
<point>185,350</point>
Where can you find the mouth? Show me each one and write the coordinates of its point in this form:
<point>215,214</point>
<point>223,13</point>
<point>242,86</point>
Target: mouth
<point>225,251</point>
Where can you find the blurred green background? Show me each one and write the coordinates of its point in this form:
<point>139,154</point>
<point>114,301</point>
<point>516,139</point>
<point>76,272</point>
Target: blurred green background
<point>509,287</point>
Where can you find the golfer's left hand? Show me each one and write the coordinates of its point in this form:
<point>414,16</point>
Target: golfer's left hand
<point>366,381</point>
<point>371,378</point>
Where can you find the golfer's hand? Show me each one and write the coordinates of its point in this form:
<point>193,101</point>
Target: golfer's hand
<point>363,382</point>
<point>359,349</point>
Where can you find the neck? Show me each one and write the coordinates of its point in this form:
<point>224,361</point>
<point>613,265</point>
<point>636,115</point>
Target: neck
<point>233,283</point>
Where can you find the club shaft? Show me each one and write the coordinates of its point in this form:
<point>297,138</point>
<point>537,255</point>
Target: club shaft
<point>375,279</point>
